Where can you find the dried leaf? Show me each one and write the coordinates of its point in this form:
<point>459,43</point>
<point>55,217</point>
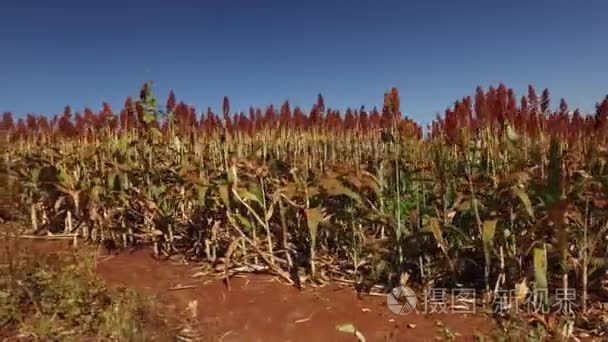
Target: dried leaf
<point>334,187</point>
<point>521,290</point>
<point>435,227</point>
<point>346,328</point>
<point>511,134</point>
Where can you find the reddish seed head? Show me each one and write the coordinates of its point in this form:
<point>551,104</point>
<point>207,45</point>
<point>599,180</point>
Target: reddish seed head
<point>7,121</point>
<point>545,101</point>
<point>315,117</point>
<point>395,101</point>
<point>145,91</point>
<point>320,103</point>
<point>171,101</point>
<point>226,106</point>
<point>285,117</point>
<point>480,105</point>
<point>563,106</point>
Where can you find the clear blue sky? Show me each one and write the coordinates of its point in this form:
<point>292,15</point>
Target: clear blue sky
<point>259,52</point>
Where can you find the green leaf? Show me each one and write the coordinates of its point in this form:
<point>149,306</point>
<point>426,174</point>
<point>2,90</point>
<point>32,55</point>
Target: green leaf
<point>223,191</point>
<point>201,193</point>
<point>487,237</point>
<point>464,236</point>
<point>124,181</point>
<point>540,267</point>
<point>94,193</point>
<point>525,200</point>
<point>552,189</point>
<point>148,117</point>
<point>435,227</point>
<point>540,270</point>
<point>231,175</point>
<point>251,196</point>
<point>65,178</point>
<point>489,228</point>
<point>314,216</point>
<point>157,191</point>
<point>111,178</point>
<point>155,132</point>
<point>270,209</point>
<point>256,190</point>
<point>35,174</point>
<point>243,221</point>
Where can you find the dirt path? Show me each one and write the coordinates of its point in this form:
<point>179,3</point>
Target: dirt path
<point>258,308</point>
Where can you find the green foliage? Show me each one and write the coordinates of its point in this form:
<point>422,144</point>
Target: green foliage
<point>351,204</point>
<point>61,298</point>
<point>487,237</point>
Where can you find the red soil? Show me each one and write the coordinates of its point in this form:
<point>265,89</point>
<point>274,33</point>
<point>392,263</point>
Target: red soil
<point>259,308</point>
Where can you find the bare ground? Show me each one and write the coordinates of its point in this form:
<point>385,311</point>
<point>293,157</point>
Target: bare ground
<point>260,308</point>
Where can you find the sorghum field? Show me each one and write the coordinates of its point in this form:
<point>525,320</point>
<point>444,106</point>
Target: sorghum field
<point>501,194</point>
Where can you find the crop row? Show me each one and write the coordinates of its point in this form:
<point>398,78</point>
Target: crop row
<point>497,195</point>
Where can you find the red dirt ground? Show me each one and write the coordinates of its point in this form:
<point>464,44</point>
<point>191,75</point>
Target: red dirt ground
<point>259,308</point>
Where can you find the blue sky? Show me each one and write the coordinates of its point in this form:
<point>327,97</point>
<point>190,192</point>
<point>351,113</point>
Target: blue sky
<point>260,52</point>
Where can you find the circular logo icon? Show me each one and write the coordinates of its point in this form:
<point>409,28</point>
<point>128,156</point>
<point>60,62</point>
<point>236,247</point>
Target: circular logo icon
<point>401,300</point>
